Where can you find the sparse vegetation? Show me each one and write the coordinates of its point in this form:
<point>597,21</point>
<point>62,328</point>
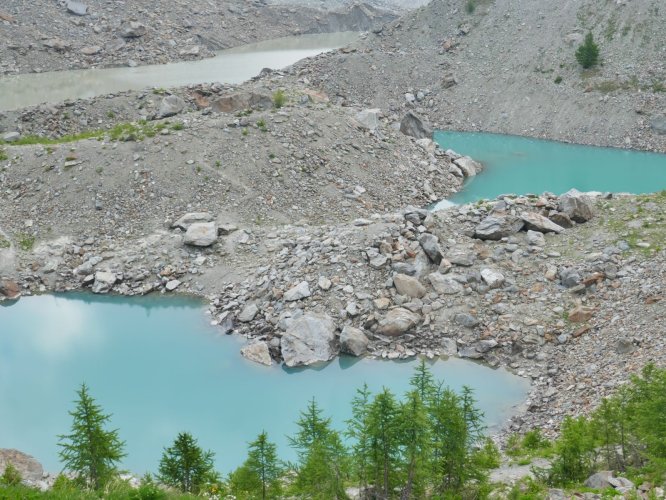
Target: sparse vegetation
<point>587,54</point>
<point>3,155</point>
<point>279,99</point>
<point>558,80</point>
<point>26,241</point>
<point>261,124</point>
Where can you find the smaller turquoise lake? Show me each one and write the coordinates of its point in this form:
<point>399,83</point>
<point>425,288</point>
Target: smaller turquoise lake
<point>158,366</point>
<point>521,165</point>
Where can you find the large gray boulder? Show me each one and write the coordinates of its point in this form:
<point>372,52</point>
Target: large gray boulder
<point>468,166</point>
<point>171,105</point>
<point>600,480</point>
<point>409,286</point>
<point>104,281</point>
<point>496,227</point>
<point>398,321</point>
<point>578,206</point>
<point>537,222</point>
<point>308,340</point>
<point>298,292</point>
<point>430,244</point>
<point>369,119</point>
<point>444,284</point>
<point>77,8</point>
<point>201,234</point>
<point>132,29</point>
<point>190,218</point>
<point>414,126</point>
<point>29,468</point>
<point>658,125</point>
<point>353,341</point>
<point>257,352</point>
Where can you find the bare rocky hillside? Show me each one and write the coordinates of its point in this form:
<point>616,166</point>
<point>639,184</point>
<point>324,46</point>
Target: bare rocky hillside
<point>56,35</point>
<point>509,66</point>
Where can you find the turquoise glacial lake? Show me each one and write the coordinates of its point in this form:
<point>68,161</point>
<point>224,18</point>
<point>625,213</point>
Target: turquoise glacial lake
<point>521,165</point>
<point>157,365</point>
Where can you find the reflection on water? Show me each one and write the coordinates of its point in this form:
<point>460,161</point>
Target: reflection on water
<point>229,66</point>
<point>160,368</point>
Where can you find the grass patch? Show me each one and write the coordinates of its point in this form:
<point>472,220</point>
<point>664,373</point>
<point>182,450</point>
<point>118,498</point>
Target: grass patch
<point>26,241</point>
<point>3,155</point>
<point>262,125</point>
<point>30,140</point>
<point>279,99</point>
<point>4,243</point>
<point>529,446</point>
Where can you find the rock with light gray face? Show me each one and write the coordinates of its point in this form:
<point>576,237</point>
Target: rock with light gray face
<point>540,223</point>
<point>309,339</point>
<point>468,166</point>
<point>444,284</point>
<point>201,234</point>
<point>257,352</point>
<point>190,218</point>
<point>578,206</point>
<point>11,137</point>
<point>353,341</point>
<point>369,119</point>
<point>77,8</point>
<point>132,29</point>
<point>248,313</point>
<point>398,321</point>
<point>408,286</point>
<point>492,277</point>
<point>171,105</point>
<point>496,227</point>
<point>300,291</point>
<point>104,281</point>
<point>29,468</point>
<point>658,125</point>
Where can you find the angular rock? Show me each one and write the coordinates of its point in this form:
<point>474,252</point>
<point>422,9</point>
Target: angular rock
<point>300,291</point>
<point>248,313</point>
<point>561,219</point>
<point>578,206</point>
<point>309,339</point>
<point>104,281</point>
<point>190,218</point>
<point>257,352</point>
<point>91,50</point>
<point>492,277</point>
<point>132,29</point>
<point>172,285</point>
<point>353,341</point>
<point>11,137</point>
<point>369,119</point>
<point>201,234</point>
<point>171,105</point>
<point>600,480</point>
<point>449,347</point>
<point>29,468</point>
<point>10,290</point>
<point>495,227</point>
<point>658,125</point>
<point>430,244</point>
<point>535,238</point>
<point>580,314</point>
<point>537,222</point>
<point>468,166</point>
<point>413,126</point>
<point>77,8</point>
<point>398,321</point>
<point>444,284</point>
<point>324,283</point>
<point>409,286</point>
<point>378,262</point>
<point>465,319</point>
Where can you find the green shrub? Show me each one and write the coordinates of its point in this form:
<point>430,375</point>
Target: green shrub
<point>26,241</point>
<point>587,54</point>
<point>470,6</point>
<point>558,80</point>
<point>3,155</point>
<point>11,476</point>
<point>279,99</point>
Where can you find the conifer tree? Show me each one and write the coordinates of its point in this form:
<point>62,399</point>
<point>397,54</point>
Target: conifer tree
<point>186,466</point>
<point>90,451</point>
<point>263,462</point>
<point>587,54</point>
<point>357,430</point>
<point>416,441</point>
<point>383,431</point>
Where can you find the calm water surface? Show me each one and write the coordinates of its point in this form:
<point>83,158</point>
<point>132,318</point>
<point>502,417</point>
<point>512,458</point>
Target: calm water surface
<point>160,368</point>
<point>522,165</point>
<point>229,66</point>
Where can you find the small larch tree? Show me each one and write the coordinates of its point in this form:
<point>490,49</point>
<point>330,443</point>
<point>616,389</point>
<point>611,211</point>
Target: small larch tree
<point>186,466</point>
<point>587,54</point>
<point>89,451</point>
<point>262,461</point>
